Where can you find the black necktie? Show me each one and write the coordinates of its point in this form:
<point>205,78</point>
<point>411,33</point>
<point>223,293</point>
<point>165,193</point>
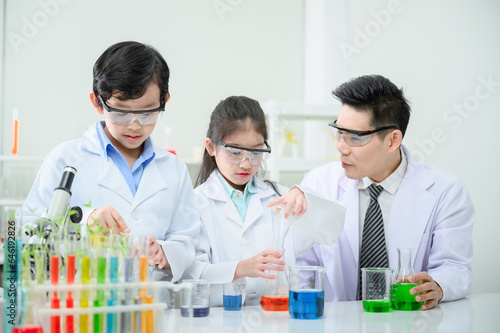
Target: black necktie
<point>373,251</point>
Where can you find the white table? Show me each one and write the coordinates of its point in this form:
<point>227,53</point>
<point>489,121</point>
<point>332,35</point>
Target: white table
<point>476,313</point>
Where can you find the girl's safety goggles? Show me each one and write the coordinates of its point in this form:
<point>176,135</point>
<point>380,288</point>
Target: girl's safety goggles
<point>126,117</point>
<point>355,138</point>
<point>236,155</point>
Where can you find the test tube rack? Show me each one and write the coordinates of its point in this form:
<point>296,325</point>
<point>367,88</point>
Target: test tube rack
<point>44,313</point>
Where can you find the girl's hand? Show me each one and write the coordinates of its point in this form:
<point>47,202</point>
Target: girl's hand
<point>156,254</point>
<point>256,265</point>
<point>107,218</point>
<point>294,197</point>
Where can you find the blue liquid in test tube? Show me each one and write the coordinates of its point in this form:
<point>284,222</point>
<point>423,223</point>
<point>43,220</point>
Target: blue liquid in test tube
<point>232,302</point>
<point>306,304</point>
<point>112,321</point>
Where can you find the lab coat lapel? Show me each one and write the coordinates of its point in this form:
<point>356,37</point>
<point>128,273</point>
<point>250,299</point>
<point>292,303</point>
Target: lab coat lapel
<point>256,207</point>
<point>112,179</point>
<point>151,183</point>
<point>349,196</point>
<point>412,208</point>
<point>215,190</point>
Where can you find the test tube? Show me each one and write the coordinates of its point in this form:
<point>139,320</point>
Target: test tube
<point>71,250</point>
<point>129,253</point>
<point>101,279</point>
<point>112,318</point>
<point>85,279</point>
<point>147,316</point>
<point>55,302</point>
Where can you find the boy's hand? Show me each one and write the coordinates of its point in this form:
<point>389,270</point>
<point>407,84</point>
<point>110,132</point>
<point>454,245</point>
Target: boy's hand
<point>156,254</point>
<point>294,197</point>
<point>107,218</point>
<point>256,265</point>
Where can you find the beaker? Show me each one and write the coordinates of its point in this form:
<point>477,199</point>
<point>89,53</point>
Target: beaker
<point>200,299</point>
<point>376,289</point>
<point>400,293</point>
<point>307,293</point>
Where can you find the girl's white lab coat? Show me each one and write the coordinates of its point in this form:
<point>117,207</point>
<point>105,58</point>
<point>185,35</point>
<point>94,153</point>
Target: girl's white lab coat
<point>229,240</point>
<point>431,213</point>
<point>163,205</point>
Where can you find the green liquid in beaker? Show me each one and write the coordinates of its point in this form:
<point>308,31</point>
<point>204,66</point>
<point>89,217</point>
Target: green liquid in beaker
<point>402,299</point>
<point>377,306</point>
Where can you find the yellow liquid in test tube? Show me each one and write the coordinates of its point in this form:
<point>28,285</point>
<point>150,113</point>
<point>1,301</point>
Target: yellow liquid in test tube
<point>84,301</point>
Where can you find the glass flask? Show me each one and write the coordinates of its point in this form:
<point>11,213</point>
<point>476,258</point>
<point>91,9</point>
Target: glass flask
<point>275,294</point>
<point>400,294</point>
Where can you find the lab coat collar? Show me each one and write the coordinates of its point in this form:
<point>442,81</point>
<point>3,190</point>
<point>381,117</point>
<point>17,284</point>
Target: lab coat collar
<point>413,188</point>
<point>214,190</point>
<point>111,177</point>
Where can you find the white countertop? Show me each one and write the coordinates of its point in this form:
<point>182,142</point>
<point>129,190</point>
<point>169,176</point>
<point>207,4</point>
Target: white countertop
<point>476,313</point>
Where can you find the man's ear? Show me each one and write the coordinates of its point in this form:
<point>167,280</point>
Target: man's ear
<point>395,140</point>
<point>167,98</point>
<point>95,102</point>
<point>210,147</point>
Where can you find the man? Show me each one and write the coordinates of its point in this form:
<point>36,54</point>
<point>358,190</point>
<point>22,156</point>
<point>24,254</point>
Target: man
<point>418,207</point>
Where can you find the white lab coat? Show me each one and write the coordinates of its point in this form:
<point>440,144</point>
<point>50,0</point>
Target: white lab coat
<point>163,205</point>
<point>229,240</point>
<point>431,213</point>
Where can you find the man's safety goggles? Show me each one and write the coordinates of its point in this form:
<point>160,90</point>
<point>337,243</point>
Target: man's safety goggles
<point>355,138</point>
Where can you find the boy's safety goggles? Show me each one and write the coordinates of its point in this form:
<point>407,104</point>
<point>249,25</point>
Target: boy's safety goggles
<point>126,117</point>
<point>355,138</point>
<point>236,155</point>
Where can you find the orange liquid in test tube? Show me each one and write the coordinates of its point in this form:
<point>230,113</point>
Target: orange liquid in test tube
<point>15,132</point>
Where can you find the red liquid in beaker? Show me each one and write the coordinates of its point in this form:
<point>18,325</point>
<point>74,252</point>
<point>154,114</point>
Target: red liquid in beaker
<point>274,303</point>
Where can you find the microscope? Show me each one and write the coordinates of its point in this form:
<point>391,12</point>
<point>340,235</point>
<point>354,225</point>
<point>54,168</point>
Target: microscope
<point>59,223</point>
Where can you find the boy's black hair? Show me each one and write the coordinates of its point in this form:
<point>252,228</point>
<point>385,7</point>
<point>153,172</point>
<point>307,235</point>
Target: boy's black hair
<point>378,96</point>
<point>128,68</point>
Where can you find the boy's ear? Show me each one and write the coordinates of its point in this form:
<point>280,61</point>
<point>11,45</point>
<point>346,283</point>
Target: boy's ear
<point>95,102</point>
<point>167,98</point>
<point>210,147</point>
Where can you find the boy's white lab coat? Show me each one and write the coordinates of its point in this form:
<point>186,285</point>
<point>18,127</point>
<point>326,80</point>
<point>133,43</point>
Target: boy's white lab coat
<point>431,213</point>
<point>163,205</point>
<point>229,240</point>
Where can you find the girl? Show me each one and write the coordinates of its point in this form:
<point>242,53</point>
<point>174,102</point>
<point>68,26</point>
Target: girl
<point>238,233</point>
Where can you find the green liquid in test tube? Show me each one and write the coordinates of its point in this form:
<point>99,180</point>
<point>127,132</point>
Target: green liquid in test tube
<point>101,279</point>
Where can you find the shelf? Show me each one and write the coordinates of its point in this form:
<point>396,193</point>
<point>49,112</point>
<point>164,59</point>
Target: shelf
<point>9,202</point>
<point>290,164</point>
<point>300,110</point>
<point>21,158</point>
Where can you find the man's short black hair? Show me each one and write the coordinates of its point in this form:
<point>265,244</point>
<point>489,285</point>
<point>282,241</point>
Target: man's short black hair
<point>378,96</point>
<point>128,68</point>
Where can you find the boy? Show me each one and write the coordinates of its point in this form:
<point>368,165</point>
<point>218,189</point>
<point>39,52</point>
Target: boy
<point>131,184</point>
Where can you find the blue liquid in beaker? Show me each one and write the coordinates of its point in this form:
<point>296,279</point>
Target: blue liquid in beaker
<point>198,311</point>
<point>231,302</point>
<point>306,304</point>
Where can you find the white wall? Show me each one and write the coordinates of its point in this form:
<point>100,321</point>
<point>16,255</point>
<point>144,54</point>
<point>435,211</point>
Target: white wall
<point>441,52</point>
<point>215,48</point>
